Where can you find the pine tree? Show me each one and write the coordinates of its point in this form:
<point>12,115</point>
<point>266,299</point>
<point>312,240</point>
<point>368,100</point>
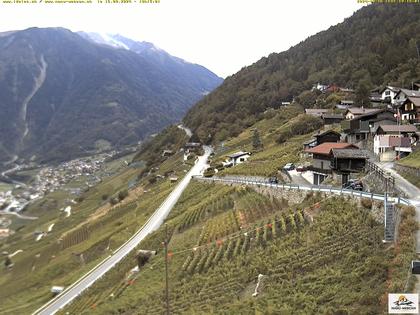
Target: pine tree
<point>256,141</point>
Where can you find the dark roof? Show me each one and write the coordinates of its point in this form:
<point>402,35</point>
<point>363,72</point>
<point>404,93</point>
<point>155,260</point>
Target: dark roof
<point>398,128</point>
<point>374,112</point>
<point>326,132</point>
<point>238,154</point>
<point>332,116</point>
<point>310,141</point>
<point>350,153</point>
<point>326,147</point>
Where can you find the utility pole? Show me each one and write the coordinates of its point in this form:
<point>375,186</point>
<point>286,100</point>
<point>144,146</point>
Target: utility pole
<point>166,269</point>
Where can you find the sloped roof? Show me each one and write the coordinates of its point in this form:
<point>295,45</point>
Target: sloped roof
<point>392,88</point>
<point>350,154</point>
<point>326,147</point>
<point>315,110</point>
<point>326,132</point>
<point>410,93</point>
<point>398,128</point>
<point>374,112</point>
<point>361,110</point>
<point>238,154</point>
<point>414,100</point>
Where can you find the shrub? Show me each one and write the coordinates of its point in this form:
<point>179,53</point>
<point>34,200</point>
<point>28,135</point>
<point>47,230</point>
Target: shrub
<point>113,201</point>
<point>122,194</point>
<point>366,203</point>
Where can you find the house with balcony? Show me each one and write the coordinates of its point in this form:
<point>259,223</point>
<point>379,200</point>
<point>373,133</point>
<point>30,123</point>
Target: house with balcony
<point>409,110</point>
<point>394,141</point>
<point>362,127</point>
<point>403,94</point>
<point>336,159</point>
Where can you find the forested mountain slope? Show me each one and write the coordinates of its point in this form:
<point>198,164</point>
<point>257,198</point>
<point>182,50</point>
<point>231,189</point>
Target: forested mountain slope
<point>375,46</point>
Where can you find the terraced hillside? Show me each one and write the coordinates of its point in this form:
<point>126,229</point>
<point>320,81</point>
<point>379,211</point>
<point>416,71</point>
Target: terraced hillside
<point>223,237</point>
<point>104,217</point>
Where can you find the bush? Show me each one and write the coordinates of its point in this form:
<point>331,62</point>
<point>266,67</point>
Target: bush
<point>122,194</point>
<point>105,196</point>
<point>366,203</point>
<point>113,201</point>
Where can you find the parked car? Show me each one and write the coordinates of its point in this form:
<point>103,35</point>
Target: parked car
<point>301,168</point>
<point>289,167</point>
<point>273,180</point>
<point>354,184</point>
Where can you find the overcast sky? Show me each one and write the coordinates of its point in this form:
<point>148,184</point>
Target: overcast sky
<point>222,35</point>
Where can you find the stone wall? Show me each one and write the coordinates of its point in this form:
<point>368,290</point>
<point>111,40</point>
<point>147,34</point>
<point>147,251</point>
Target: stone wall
<point>407,169</point>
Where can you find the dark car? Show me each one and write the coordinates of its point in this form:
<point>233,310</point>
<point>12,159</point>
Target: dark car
<point>301,168</point>
<point>354,184</point>
<point>273,180</point>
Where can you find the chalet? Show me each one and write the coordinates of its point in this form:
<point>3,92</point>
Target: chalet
<point>330,119</point>
<point>392,141</point>
<point>362,126</point>
<point>388,94</point>
<point>317,112</point>
<point>410,110</point>
<point>237,158</point>
<point>321,137</point>
<point>403,94</point>
<point>354,112</point>
<point>347,161</point>
<point>322,160</point>
<point>327,136</point>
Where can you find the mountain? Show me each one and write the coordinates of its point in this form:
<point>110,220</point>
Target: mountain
<point>378,45</point>
<point>62,94</point>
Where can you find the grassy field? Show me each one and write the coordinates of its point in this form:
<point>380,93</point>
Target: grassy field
<point>412,160</point>
<point>274,154</point>
<point>223,237</point>
<point>5,187</point>
<point>78,242</point>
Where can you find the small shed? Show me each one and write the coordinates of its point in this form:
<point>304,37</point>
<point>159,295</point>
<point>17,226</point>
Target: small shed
<point>239,157</point>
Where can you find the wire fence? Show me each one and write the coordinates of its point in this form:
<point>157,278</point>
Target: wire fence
<point>314,188</point>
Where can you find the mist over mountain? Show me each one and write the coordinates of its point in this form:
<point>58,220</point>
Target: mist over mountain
<point>64,93</point>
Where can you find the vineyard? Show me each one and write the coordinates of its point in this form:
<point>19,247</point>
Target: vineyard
<point>215,260</point>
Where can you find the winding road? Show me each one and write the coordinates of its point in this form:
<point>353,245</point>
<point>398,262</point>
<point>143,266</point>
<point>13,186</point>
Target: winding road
<point>152,224</point>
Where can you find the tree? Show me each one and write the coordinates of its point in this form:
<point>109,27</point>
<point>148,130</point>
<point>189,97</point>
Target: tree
<point>256,141</point>
<point>363,93</point>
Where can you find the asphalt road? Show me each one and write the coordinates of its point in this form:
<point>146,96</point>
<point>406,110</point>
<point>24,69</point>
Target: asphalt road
<point>412,191</point>
<point>151,225</point>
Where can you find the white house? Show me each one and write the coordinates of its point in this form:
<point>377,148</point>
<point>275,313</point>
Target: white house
<point>388,94</point>
<point>237,158</point>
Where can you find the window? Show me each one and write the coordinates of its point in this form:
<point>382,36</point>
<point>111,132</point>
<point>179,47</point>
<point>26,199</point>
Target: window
<point>387,93</point>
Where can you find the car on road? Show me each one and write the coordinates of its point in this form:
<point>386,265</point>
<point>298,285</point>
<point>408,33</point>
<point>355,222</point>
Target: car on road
<point>273,180</point>
<point>301,168</point>
<point>354,184</point>
<point>289,167</point>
